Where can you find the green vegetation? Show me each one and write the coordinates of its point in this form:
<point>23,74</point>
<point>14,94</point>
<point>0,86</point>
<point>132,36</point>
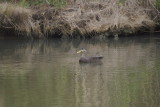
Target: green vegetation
<point>42,18</point>
<point>158,3</point>
<point>27,3</point>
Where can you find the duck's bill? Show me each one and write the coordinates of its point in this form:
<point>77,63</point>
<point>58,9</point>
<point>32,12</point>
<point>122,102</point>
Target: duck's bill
<point>79,51</point>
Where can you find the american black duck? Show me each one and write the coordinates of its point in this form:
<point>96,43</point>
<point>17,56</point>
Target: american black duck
<point>88,59</point>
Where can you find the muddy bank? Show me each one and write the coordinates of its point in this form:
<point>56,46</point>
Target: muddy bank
<point>108,18</point>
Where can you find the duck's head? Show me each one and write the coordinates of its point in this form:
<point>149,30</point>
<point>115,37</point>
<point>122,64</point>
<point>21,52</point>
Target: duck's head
<point>82,51</point>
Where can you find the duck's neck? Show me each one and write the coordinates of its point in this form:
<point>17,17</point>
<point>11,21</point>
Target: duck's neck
<point>83,55</point>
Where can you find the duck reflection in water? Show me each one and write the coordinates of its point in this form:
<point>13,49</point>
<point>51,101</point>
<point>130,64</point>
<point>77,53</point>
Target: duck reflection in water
<point>91,59</point>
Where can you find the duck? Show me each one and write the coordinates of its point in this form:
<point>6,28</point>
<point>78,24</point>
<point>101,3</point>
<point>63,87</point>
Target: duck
<point>88,59</point>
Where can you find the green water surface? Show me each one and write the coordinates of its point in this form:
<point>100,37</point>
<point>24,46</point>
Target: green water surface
<point>46,73</point>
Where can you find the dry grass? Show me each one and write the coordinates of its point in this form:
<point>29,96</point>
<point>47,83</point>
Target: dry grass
<point>83,18</point>
<point>15,17</point>
<point>111,15</point>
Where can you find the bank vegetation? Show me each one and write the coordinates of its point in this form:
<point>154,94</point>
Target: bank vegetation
<point>78,18</point>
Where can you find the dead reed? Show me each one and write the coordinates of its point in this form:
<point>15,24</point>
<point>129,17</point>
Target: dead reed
<point>16,18</point>
<point>82,17</point>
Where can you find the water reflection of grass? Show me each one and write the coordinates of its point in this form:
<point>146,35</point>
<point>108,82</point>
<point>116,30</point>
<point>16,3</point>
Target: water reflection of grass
<point>115,53</point>
<point>54,77</point>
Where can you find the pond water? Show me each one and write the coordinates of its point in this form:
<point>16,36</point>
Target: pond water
<point>46,73</point>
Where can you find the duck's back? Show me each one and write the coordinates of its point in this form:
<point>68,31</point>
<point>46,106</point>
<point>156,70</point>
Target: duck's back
<point>90,59</point>
<point>97,57</point>
<point>84,60</point>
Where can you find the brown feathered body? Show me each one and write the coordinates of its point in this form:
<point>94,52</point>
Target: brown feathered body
<point>90,59</point>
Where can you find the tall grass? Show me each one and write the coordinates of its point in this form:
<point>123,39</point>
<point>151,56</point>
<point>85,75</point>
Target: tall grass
<point>16,18</point>
<point>113,15</point>
<point>85,17</point>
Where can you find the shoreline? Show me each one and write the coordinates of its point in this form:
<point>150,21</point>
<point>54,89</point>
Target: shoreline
<point>84,21</point>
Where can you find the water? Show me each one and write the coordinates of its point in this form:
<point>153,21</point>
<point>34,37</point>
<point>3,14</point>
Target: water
<point>46,73</point>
